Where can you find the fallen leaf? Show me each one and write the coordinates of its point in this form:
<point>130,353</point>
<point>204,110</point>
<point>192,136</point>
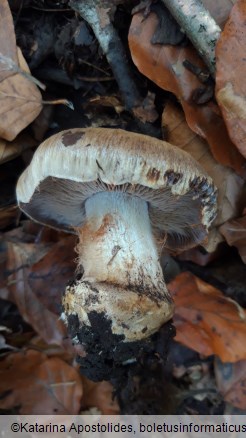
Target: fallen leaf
<point>21,101</point>
<point>31,309</point>
<point>231,382</point>
<point>229,184</point>
<point>36,384</point>
<point>18,282</point>
<point>8,215</point>
<point>200,255</point>
<point>7,45</point>
<point>11,150</point>
<point>146,111</point>
<point>49,276</point>
<point>99,395</point>
<point>234,231</point>
<point>231,73</point>
<point>163,64</point>
<point>206,320</point>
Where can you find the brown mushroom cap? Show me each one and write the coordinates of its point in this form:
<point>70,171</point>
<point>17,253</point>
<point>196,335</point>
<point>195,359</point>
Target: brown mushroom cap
<point>73,165</point>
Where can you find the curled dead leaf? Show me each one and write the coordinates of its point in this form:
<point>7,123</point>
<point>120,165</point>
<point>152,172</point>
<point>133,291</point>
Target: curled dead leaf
<point>20,99</point>
<point>99,395</point>
<point>230,75</point>
<point>33,383</point>
<point>7,45</point>
<point>206,320</point>
<point>234,232</point>
<point>11,150</point>
<point>231,382</point>
<point>23,286</point>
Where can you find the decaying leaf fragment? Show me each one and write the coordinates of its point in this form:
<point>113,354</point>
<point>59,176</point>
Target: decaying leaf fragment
<point>231,73</point>
<point>33,383</point>
<point>99,394</point>
<point>34,292</point>
<point>206,320</point>
<point>231,382</point>
<point>8,47</point>
<point>20,99</point>
<point>234,232</point>
<point>11,150</point>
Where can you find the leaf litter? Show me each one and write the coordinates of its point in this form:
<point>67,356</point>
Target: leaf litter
<point>37,263</point>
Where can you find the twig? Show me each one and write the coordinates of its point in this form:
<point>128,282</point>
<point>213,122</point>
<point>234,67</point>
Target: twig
<point>97,14</point>
<point>65,102</point>
<point>198,25</point>
<point>82,61</point>
<point>96,79</point>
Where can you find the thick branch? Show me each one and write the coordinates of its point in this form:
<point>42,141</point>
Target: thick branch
<point>198,25</point>
<point>98,13</point>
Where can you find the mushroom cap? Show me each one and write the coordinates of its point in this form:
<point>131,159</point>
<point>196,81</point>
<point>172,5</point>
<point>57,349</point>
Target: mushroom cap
<point>72,165</point>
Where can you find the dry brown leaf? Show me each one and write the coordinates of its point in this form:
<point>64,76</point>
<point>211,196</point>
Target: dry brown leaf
<point>163,64</point>
<point>231,382</point>
<point>229,184</point>
<point>20,99</point>
<point>49,276</point>
<point>31,309</point>
<point>17,287</point>
<point>231,73</point>
<point>234,231</point>
<point>36,384</point>
<point>7,39</point>
<point>45,322</point>
<point>21,102</point>
<point>99,395</point>
<point>11,150</point>
<point>201,256</point>
<point>206,320</point>
<point>8,215</point>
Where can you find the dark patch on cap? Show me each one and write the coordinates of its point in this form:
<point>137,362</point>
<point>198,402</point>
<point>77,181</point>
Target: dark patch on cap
<point>172,177</point>
<point>70,138</point>
<point>153,174</point>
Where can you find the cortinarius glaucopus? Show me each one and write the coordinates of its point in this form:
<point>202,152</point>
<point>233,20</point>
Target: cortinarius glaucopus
<point>121,192</point>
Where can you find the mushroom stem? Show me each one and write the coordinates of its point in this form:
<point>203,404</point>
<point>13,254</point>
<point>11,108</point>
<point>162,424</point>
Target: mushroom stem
<point>122,278</point>
<point>117,246</point>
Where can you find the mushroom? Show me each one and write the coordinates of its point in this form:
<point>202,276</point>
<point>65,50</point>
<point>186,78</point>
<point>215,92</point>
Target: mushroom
<point>121,192</point>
